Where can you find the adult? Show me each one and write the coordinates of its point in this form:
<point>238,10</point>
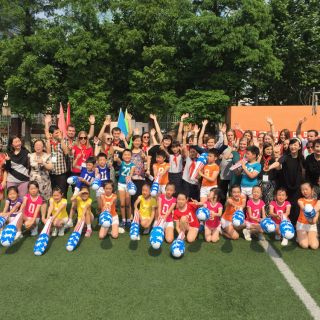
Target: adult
<point>56,147</point>
<point>291,177</point>
<point>311,134</point>
<point>152,153</point>
<point>40,166</point>
<point>17,165</point>
<point>3,172</point>
<point>312,164</point>
<point>82,150</point>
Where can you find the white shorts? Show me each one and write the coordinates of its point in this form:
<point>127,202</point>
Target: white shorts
<point>99,192</point>
<point>306,227</point>
<point>162,189</point>
<point>204,191</point>
<point>122,187</point>
<point>247,191</point>
<point>115,220</point>
<point>225,223</point>
<point>168,225</point>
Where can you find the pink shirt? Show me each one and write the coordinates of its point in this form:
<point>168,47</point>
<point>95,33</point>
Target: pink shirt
<point>32,205</point>
<point>213,223</point>
<point>165,206</point>
<point>256,210</point>
<point>279,210</point>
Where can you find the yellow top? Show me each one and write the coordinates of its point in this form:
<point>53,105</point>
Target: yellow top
<point>81,205</point>
<point>146,206</point>
<point>63,213</point>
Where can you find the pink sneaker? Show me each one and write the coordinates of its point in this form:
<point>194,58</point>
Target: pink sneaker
<point>88,233</point>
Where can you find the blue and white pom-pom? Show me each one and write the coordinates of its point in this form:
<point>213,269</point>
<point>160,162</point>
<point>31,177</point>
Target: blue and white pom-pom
<point>73,180</point>
<point>238,218</point>
<point>73,241</point>
<point>286,229</point>
<point>132,189</point>
<point>2,221</point>
<point>203,214</point>
<point>268,225</point>
<point>156,237</point>
<point>8,234</point>
<point>134,231</point>
<point>96,184</point>
<point>41,244</point>
<point>177,248</point>
<point>105,219</point>
<point>309,211</point>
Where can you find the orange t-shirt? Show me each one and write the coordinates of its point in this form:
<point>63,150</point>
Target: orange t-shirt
<point>230,209</point>
<point>109,203</point>
<point>160,169</point>
<point>302,218</point>
<point>209,170</point>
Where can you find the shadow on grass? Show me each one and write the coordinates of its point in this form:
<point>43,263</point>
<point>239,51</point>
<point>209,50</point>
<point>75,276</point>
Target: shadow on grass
<point>106,243</point>
<point>133,245</point>
<point>195,246</point>
<point>16,246</point>
<point>153,252</point>
<point>227,246</point>
<point>255,246</point>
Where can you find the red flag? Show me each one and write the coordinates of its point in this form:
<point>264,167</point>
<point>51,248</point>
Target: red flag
<point>62,122</point>
<point>68,120</point>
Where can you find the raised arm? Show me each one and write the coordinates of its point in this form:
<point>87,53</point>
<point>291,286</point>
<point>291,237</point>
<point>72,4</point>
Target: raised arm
<point>92,121</point>
<point>298,130</point>
<point>156,125</point>
<point>180,129</point>
<point>203,129</point>
<point>106,123</point>
<point>271,125</point>
<point>47,121</point>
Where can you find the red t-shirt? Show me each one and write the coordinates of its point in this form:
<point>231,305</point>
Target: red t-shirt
<point>85,153</point>
<point>165,206</point>
<point>190,211</point>
<point>213,223</point>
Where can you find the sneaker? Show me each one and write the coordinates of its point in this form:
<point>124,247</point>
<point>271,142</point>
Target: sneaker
<point>61,232</point>
<point>128,224</point>
<point>54,232</point>
<point>18,235</point>
<point>261,237</point>
<point>138,238</point>
<point>121,230</point>
<point>122,226</point>
<point>284,242</point>
<point>277,237</point>
<point>146,231</point>
<point>247,234</point>
<point>88,233</point>
<point>69,224</point>
<point>34,231</point>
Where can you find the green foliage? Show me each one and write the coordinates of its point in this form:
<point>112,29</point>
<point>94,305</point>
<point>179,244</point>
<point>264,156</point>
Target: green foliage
<point>168,56</point>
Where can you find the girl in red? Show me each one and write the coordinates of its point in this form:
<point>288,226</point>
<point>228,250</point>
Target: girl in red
<point>31,209</point>
<point>280,210</point>
<point>255,211</point>
<point>81,152</point>
<point>185,217</point>
<point>166,205</point>
<point>212,226</point>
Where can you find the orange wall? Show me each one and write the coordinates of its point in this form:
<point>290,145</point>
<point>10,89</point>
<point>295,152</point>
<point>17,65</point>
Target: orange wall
<point>254,117</point>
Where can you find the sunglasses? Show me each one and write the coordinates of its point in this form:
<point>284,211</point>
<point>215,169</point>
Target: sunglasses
<point>83,138</point>
<point>109,139</point>
<point>146,137</point>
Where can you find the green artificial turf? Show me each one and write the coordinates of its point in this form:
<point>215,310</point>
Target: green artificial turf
<point>119,279</point>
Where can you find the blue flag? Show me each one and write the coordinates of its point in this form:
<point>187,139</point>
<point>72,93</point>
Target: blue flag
<point>122,123</point>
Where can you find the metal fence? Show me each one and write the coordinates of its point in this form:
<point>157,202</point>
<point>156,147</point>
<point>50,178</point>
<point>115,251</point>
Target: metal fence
<point>5,128</point>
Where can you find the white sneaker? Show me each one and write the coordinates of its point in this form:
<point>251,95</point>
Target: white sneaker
<point>277,237</point>
<point>54,232</point>
<point>121,230</point>
<point>261,237</point>
<point>61,232</point>
<point>138,238</point>
<point>247,234</point>
<point>18,235</point>
<point>146,231</point>
<point>69,224</point>
<point>284,242</point>
<point>34,231</point>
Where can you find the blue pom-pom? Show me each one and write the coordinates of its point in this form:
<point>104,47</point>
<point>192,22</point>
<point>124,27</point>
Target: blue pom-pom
<point>203,214</point>
<point>268,225</point>
<point>41,244</point>
<point>309,211</point>
<point>132,189</point>
<point>73,241</point>
<point>238,218</point>
<point>96,184</point>
<point>286,229</point>
<point>2,221</point>
<point>156,237</point>
<point>134,231</point>
<point>154,189</point>
<point>105,219</point>
<point>73,180</point>
<point>8,235</point>
<point>177,248</point>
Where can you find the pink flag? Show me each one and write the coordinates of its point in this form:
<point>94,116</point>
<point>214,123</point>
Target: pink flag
<point>68,120</point>
<point>62,122</point>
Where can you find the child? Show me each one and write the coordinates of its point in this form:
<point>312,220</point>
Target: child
<point>307,233</point>
<point>125,173</point>
<point>185,217</point>
<point>209,174</point>
<point>280,210</point>
<point>58,208</point>
<point>108,203</point>
<point>102,172</point>
<point>147,208</point>
<point>12,204</point>
<point>176,166</point>
<point>31,205</point>
<point>166,205</point>
<point>255,210</point>
<point>237,201</point>
<point>212,225</point>
<point>250,171</point>
<point>85,179</point>
<point>83,202</point>
<point>161,169</point>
